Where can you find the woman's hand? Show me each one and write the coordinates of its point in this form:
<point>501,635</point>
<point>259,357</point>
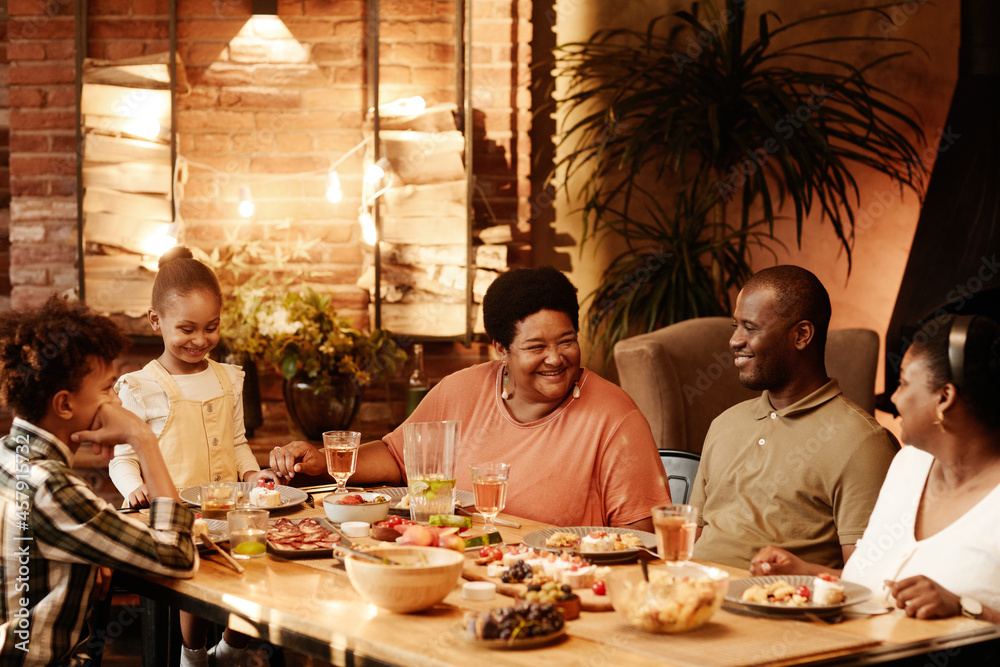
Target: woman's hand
<point>138,498</point>
<point>775,560</point>
<point>921,597</point>
<point>297,456</point>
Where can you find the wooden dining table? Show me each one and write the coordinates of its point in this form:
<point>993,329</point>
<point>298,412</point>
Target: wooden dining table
<point>309,605</point>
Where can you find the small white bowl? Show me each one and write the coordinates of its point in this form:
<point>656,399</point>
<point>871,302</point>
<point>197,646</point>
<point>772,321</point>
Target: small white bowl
<point>369,512</point>
<point>355,528</point>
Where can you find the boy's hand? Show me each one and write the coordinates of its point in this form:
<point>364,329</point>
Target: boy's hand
<point>138,498</point>
<point>114,425</point>
<point>102,583</point>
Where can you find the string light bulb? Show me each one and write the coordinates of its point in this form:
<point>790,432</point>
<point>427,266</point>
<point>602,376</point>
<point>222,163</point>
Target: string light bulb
<point>376,172</point>
<point>368,232</point>
<point>246,202</point>
<point>334,193</point>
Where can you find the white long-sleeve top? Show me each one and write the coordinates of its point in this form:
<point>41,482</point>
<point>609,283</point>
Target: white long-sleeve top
<point>152,406</point>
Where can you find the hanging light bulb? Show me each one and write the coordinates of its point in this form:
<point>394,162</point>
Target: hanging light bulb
<point>246,202</point>
<point>333,191</point>
<point>375,173</point>
<point>368,232</point>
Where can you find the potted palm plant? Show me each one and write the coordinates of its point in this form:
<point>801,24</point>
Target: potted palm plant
<point>688,138</point>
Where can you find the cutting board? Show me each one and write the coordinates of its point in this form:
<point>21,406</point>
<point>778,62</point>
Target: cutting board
<point>588,600</point>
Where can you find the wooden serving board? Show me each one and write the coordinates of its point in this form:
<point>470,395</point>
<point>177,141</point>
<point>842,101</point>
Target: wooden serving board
<point>588,601</point>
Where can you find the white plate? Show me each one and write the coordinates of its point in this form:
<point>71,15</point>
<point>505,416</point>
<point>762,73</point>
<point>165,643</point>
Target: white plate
<point>218,530</point>
<point>537,541</point>
<point>290,497</point>
<point>396,494</point>
<point>854,593</point>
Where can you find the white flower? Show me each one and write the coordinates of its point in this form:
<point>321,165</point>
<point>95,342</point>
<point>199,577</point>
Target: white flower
<point>276,323</point>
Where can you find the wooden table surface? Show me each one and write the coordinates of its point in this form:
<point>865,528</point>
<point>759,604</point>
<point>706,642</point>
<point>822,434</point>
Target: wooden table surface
<point>309,605</point>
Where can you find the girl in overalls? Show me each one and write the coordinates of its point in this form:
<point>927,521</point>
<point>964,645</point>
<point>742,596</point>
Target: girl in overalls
<point>195,407</point>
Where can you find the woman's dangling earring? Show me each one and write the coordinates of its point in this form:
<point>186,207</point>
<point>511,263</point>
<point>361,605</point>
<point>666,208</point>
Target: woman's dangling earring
<point>576,389</point>
<point>506,392</point>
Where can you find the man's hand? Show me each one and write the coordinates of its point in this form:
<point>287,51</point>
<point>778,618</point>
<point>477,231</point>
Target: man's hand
<point>775,560</point>
<point>921,597</point>
<point>138,498</point>
<point>297,456</point>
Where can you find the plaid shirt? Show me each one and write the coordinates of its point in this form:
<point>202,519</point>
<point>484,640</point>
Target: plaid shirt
<point>54,534</point>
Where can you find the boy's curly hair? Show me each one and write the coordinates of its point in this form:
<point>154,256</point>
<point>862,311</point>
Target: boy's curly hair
<point>46,350</point>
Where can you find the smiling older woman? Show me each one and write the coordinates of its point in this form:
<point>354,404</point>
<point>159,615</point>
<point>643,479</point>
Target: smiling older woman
<point>931,543</point>
<point>581,452</point>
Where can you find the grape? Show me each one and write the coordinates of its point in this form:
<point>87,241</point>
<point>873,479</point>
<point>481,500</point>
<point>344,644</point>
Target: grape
<point>529,620</point>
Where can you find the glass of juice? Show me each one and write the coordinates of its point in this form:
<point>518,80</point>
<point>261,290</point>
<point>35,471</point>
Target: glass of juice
<point>489,485</point>
<point>217,499</point>
<point>429,451</point>
<point>248,533</point>
<point>675,527</point>
<point>341,449</point>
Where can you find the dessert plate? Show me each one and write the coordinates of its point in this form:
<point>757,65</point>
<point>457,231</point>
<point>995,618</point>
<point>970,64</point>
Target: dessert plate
<point>290,497</point>
<point>396,494</point>
<point>537,540</point>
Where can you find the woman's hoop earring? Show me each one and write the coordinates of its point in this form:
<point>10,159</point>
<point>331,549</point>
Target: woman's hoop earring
<point>505,386</point>
<point>940,420</point>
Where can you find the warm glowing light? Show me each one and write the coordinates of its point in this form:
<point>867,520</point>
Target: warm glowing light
<point>334,193</point>
<point>368,232</point>
<point>147,128</point>
<point>375,173</point>
<point>246,202</point>
<point>407,106</point>
<point>158,243</point>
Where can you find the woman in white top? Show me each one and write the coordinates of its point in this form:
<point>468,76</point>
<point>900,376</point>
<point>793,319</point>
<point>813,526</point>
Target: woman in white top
<point>932,543</point>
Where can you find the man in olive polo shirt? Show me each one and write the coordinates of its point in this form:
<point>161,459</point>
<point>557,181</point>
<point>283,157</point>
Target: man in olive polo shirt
<point>801,466</point>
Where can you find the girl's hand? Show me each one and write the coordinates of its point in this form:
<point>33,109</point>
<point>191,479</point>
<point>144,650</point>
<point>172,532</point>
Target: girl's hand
<point>252,476</point>
<point>138,498</point>
<point>921,597</point>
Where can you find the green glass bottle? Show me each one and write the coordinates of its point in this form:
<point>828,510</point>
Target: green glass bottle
<point>418,385</point>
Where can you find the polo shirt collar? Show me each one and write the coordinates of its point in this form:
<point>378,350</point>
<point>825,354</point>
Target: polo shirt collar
<point>44,443</point>
<point>827,392</point>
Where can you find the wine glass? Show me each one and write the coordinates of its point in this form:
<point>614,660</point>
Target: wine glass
<point>489,485</point>
<point>341,449</point>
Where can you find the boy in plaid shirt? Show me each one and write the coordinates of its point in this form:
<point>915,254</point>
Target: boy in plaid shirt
<point>57,538</point>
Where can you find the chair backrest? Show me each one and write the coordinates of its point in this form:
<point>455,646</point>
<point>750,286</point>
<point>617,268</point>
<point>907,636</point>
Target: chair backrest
<point>682,376</point>
<point>681,468</point>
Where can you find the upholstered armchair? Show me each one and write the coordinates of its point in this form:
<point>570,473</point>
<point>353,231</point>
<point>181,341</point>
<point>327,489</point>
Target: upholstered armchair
<point>682,376</point>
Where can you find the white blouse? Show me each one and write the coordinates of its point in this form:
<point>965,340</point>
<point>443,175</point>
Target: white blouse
<point>964,557</point>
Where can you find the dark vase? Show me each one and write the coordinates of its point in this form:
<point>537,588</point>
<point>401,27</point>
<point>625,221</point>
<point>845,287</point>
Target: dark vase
<point>318,409</point>
<point>253,415</point>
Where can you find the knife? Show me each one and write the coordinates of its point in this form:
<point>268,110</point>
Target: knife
<point>366,556</point>
<point>499,522</point>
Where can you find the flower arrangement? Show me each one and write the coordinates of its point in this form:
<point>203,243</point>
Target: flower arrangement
<point>303,336</point>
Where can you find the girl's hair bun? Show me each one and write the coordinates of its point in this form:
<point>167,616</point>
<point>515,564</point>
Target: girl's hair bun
<point>177,252</point>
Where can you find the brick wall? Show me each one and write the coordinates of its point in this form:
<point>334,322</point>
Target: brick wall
<point>4,168</point>
<point>43,227</point>
<point>268,100</point>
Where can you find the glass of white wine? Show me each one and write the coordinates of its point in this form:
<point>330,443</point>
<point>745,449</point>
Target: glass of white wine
<point>489,486</point>
<point>341,449</point>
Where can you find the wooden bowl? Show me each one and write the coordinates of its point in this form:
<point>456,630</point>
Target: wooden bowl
<point>426,577</point>
<point>369,512</point>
